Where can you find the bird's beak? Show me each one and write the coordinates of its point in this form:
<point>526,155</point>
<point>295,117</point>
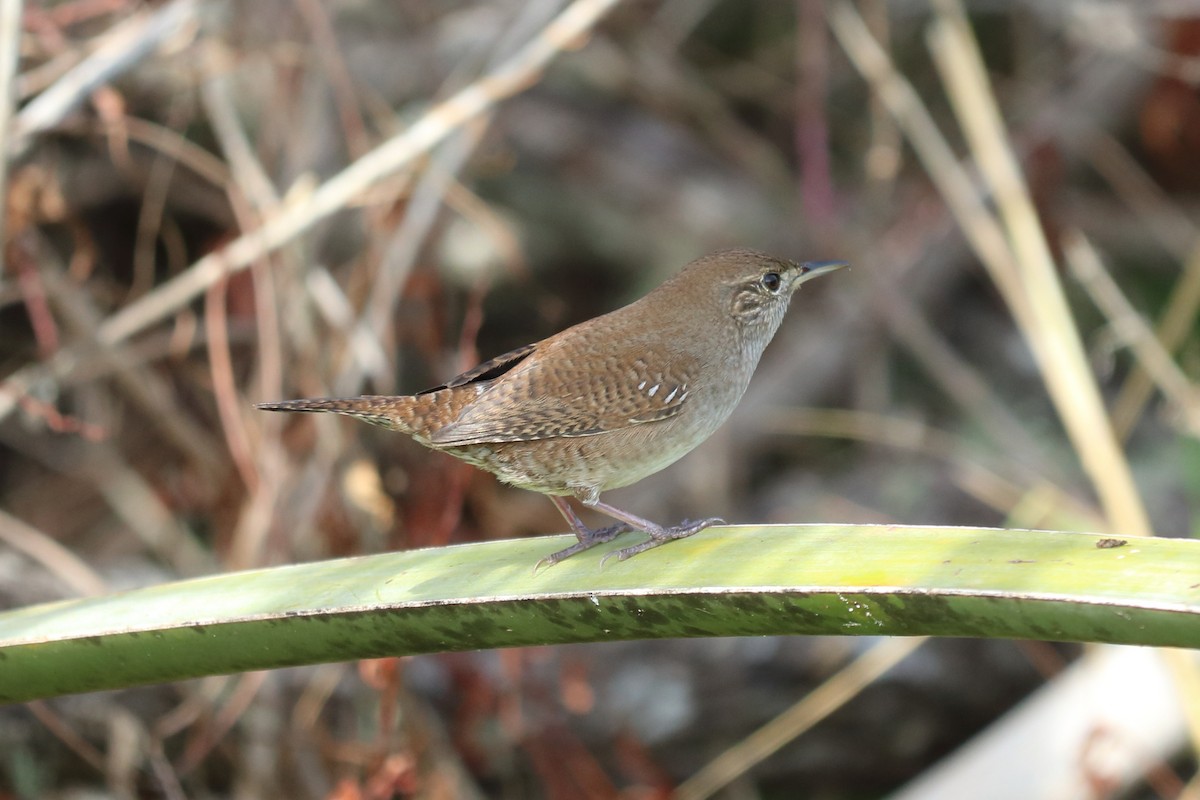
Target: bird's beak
<point>811,269</point>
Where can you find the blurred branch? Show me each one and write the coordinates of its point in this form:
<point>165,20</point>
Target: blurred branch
<point>135,502</point>
<point>1005,494</point>
<point>837,690</point>
<point>10,49</point>
<point>513,76</point>
<point>57,560</point>
<point>123,48</point>
<point>1173,328</point>
<point>1158,212</point>
<point>962,381</point>
<point>244,165</point>
<point>1132,330</point>
<point>224,385</point>
<point>149,392</point>
<point>812,120</point>
<point>316,16</point>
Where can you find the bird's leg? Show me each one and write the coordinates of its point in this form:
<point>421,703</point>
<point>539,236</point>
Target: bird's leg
<point>588,537</point>
<point>658,534</point>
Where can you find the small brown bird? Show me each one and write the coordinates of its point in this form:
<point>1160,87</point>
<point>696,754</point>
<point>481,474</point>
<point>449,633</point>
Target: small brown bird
<point>609,401</point>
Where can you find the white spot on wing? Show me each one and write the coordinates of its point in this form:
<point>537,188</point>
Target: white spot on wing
<point>671,396</point>
<point>641,386</point>
<point>654,389</point>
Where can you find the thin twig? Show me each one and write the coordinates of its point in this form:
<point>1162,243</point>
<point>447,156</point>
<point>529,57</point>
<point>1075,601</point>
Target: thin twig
<point>335,308</point>
<point>229,402</point>
<point>961,381</point>
<point>1162,217</point>
<point>836,691</point>
<point>138,505</point>
<point>251,178</point>
<point>10,48</point>
<point>245,687</point>
<point>58,560</point>
<point>316,16</point>
<point>249,186</point>
<point>811,118</point>
<point>65,732</point>
<point>1172,330</point>
<point>171,144</point>
<point>1132,329</point>
<point>263,467</point>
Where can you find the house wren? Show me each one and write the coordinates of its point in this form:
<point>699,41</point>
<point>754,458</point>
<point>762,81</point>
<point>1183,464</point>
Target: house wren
<point>609,401</point>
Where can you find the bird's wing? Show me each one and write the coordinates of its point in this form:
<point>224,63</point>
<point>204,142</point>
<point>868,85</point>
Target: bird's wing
<point>561,394</point>
<point>488,370</point>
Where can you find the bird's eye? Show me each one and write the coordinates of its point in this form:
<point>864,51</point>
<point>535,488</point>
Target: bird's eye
<point>771,282</point>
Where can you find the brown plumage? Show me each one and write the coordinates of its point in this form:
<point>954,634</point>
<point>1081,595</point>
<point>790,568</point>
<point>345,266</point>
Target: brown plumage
<point>609,401</point>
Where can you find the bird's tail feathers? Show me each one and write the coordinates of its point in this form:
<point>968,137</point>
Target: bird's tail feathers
<point>402,414</point>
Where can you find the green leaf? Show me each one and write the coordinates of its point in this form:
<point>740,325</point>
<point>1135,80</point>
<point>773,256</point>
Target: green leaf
<point>730,581</point>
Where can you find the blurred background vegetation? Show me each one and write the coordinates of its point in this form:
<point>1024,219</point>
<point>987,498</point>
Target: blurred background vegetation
<point>139,322</point>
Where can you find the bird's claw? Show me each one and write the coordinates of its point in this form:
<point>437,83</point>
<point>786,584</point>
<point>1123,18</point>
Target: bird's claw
<point>662,536</point>
<point>658,537</point>
<point>588,539</point>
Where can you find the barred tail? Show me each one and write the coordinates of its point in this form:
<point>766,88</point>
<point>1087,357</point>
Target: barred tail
<point>411,415</point>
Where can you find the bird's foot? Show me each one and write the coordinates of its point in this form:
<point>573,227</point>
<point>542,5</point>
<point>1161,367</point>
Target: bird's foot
<point>588,538</point>
<point>661,536</point>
